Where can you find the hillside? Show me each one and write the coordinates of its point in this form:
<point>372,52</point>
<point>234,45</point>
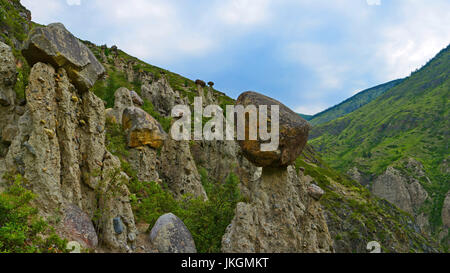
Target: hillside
<point>352,104</point>
<point>408,123</point>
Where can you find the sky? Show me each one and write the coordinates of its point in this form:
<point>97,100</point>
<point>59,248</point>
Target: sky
<point>308,54</point>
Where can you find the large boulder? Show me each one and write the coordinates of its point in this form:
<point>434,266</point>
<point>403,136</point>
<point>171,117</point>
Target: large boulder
<point>294,132</point>
<point>142,128</point>
<point>170,235</point>
<point>55,45</point>
<point>446,211</point>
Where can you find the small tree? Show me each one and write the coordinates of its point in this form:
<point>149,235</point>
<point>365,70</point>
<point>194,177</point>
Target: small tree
<point>211,84</point>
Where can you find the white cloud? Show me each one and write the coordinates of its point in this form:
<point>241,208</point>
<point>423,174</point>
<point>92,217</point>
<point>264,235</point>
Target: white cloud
<point>73,2</point>
<point>310,109</point>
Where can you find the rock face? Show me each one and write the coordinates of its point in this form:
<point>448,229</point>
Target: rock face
<point>60,149</point>
<point>281,217</point>
<point>122,100</point>
<point>403,191</point>
<point>446,211</point>
<point>179,171</point>
<point>55,45</point>
<point>170,235</point>
<point>144,160</point>
<point>393,187</point>
<point>293,134</point>
<point>142,128</point>
<point>136,99</point>
<point>8,115</point>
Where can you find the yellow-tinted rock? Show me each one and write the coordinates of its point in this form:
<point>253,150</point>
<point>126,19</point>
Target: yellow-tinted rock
<point>142,128</point>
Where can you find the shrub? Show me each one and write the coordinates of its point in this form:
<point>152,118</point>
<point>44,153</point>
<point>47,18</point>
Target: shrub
<point>211,84</point>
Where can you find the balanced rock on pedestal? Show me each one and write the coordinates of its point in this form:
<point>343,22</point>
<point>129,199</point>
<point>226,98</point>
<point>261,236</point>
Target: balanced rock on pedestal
<point>294,132</point>
<point>55,45</point>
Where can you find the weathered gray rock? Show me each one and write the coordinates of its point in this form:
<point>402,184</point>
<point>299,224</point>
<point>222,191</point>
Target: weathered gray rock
<point>293,134</point>
<point>145,161</point>
<point>8,75</point>
<point>136,98</point>
<point>8,115</point>
<point>315,192</point>
<point>170,235</point>
<point>404,191</point>
<point>78,227</point>
<point>395,188</point>
<point>281,217</point>
<point>161,94</point>
<point>142,128</point>
<point>60,149</point>
<point>55,45</point>
<point>122,100</point>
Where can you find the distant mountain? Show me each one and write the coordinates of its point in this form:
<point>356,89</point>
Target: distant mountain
<point>353,103</point>
<point>404,133</point>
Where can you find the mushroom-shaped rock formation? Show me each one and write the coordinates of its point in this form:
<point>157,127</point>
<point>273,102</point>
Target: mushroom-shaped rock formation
<point>293,134</point>
<point>55,45</point>
<point>142,128</point>
<point>170,235</point>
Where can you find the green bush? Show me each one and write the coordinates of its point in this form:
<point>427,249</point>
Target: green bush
<point>21,229</point>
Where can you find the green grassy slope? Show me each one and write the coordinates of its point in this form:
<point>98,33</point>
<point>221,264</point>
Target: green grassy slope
<point>410,120</point>
<point>352,104</point>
